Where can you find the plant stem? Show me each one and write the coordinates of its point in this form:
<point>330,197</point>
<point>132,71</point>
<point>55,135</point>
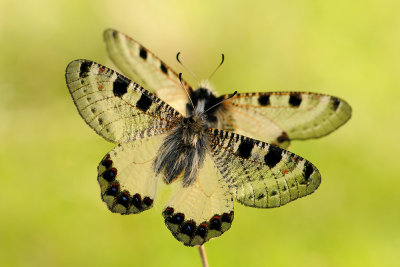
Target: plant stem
<point>203,256</point>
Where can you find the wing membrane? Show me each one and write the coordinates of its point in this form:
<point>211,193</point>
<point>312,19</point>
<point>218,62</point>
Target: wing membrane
<point>115,107</point>
<point>260,174</point>
<point>202,210</point>
<point>278,117</point>
<point>146,69</point>
<point>126,177</point>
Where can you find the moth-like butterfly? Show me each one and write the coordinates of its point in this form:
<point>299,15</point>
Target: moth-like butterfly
<point>198,150</point>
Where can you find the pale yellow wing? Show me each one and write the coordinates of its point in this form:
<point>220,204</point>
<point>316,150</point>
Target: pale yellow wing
<point>115,107</point>
<point>202,210</point>
<point>278,117</point>
<point>259,174</point>
<point>146,69</point>
<point>126,177</point>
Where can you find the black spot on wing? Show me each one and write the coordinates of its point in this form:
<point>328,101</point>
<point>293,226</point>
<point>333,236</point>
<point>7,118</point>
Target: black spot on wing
<point>163,68</point>
<point>273,157</point>
<point>85,69</point>
<point>261,196</point>
<point>188,228</point>
<point>295,99</point>
<point>308,170</point>
<point>244,149</point>
<point>283,138</point>
<point>335,103</point>
<point>120,85</point>
<point>202,230</point>
<point>215,223</point>
<point>115,34</point>
<point>124,199</point>
<point>143,53</point>
<point>263,100</point>
<point>144,103</point>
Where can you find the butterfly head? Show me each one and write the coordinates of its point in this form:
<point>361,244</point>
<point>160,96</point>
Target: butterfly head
<point>205,102</point>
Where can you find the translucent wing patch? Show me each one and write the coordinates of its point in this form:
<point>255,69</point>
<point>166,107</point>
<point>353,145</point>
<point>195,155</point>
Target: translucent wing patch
<point>278,117</point>
<point>115,107</point>
<point>138,63</point>
<point>126,178</point>
<point>260,174</point>
<point>201,211</point>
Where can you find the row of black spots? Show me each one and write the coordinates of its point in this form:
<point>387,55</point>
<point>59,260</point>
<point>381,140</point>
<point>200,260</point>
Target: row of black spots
<point>120,85</point>
<point>110,173</point>
<point>84,69</point>
<point>189,227</point>
<point>273,156</point>
<point>144,55</point>
<point>123,198</point>
<point>141,204</point>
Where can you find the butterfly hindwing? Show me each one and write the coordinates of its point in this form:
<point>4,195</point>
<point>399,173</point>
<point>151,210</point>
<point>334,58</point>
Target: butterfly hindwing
<point>200,211</point>
<point>114,106</point>
<point>260,174</point>
<point>126,177</point>
<point>278,117</point>
<point>138,63</point>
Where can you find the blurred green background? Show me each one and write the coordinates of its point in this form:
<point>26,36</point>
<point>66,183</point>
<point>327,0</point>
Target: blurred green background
<point>50,208</point>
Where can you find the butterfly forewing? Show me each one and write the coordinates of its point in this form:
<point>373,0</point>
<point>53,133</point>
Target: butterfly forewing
<point>201,211</point>
<point>278,117</point>
<point>114,106</point>
<point>146,69</point>
<point>260,174</point>
<point>126,177</point>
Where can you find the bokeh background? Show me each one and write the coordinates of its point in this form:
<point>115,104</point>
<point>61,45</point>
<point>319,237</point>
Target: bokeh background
<point>50,208</point>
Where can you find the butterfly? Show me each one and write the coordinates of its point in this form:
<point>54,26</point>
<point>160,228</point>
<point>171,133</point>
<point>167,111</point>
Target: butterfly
<point>210,164</point>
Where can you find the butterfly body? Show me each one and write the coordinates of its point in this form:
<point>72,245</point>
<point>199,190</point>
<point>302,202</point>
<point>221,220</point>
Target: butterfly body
<point>183,150</point>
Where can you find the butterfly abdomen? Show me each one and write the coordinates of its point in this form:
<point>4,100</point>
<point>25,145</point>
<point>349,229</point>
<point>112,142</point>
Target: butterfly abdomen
<point>183,151</point>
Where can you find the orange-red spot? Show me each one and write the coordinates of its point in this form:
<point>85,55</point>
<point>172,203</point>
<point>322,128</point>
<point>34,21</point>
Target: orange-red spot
<point>285,171</point>
<point>101,70</point>
<point>101,87</point>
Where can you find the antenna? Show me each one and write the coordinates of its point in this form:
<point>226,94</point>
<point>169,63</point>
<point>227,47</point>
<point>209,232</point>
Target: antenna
<point>186,68</point>
<point>180,79</point>
<point>222,61</point>
<point>219,103</point>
